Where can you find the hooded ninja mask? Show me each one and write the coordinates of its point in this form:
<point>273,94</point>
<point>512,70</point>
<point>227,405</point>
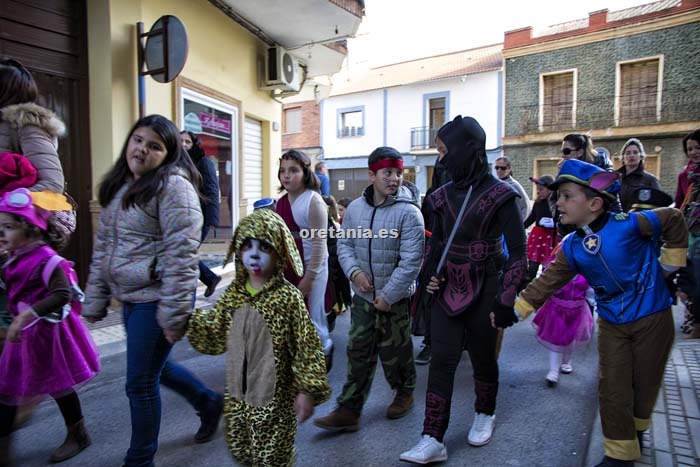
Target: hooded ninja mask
<point>465,160</point>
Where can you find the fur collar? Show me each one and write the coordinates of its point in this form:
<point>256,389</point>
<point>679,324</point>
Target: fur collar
<point>20,115</point>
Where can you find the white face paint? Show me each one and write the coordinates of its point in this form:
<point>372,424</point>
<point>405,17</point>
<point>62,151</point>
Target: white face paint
<point>257,257</point>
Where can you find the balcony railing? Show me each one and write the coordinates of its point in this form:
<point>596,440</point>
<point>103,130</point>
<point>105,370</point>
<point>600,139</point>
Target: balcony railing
<point>423,137</point>
<point>351,131</point>
<point>600,113</point>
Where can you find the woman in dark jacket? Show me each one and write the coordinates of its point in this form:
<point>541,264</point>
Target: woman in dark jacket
<point>209,201</point>
<point>632,173</point>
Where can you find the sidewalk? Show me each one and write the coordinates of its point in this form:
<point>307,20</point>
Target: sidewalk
<point>674,436</point>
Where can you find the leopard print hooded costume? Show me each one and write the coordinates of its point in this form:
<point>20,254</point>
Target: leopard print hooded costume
<point>273,350</point>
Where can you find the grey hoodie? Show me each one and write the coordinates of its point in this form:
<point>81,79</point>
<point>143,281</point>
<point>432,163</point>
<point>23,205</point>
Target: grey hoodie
<point>392,262</point>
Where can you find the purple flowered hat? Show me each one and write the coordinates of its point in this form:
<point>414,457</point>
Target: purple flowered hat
<point>20,203</point>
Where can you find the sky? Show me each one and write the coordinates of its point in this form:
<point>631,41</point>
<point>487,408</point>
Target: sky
<point>398,30</point>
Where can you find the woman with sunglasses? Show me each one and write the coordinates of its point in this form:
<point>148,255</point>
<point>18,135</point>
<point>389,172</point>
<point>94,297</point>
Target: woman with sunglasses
<point>580,146</point>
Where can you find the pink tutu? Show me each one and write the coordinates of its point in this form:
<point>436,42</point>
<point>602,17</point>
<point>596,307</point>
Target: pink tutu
<point>50,359</point>
<point>565,320</point>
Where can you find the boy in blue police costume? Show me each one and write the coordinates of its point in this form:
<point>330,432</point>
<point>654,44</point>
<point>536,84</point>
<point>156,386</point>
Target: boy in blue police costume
<point>616,254</point>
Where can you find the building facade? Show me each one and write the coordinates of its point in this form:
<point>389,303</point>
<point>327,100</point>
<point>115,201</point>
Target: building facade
<point>84,56</point>
<point>614,75</point>
<point>403,105</point>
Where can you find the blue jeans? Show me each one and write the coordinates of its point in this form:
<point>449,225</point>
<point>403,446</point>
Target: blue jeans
<point>147,366</point>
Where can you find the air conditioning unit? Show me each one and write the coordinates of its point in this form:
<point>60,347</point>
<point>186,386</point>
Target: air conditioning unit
<point>282,71</point>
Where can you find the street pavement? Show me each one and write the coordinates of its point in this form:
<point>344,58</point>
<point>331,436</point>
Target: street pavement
<point>535,425</point>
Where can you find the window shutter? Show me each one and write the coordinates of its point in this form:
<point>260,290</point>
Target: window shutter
<point>558,101</point>
<point>638,91</point>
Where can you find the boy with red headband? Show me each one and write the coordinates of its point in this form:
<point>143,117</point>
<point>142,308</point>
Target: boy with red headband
<point>381,251</point>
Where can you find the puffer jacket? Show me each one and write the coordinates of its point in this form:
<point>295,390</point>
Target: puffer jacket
<point>638,178</point>
<point>33,131</point>
<point>146,254</point>
<point>392,263</point>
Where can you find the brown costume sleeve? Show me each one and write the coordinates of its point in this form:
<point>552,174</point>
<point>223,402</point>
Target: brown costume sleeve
<point>556,276</point>
<point>674,234</point>
<point>59,294</point>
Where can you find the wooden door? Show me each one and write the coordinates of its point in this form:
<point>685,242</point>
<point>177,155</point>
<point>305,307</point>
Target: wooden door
<point>50,38</point>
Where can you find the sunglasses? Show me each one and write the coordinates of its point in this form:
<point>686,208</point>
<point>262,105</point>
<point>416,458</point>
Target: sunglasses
<point>567,151</point>
<point>500,167</point>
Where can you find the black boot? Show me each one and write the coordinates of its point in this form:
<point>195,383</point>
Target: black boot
<point>610,462</point>
<point>210,417</point>
<point>76,440</point>
<point>5,451</point>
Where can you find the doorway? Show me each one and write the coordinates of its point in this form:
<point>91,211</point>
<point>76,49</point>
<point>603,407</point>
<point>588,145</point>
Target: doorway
<point>216,124</point>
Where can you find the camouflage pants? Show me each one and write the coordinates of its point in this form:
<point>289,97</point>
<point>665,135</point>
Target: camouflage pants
<point>375,334</point>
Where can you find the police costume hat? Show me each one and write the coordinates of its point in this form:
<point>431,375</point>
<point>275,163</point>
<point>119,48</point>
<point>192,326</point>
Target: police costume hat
<point>590,176</point>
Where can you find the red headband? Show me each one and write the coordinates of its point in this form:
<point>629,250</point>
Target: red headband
<point>385,163</point>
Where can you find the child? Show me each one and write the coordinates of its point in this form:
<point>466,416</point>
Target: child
<point>145,256</point>
<point>562,323</point>
<point>382,269</point>
<point>475,279</point>
<point>343,204</point>
<point>540,240</point>
<point>15,172</point>
<point>303,210</point>
<point>616,254</point>
<point>48,348</point>
<point>275,365</point>
<point>338,284</point>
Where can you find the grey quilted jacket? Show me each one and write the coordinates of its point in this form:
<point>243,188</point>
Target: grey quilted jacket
<point>392,263</point>
<point>33,131</point>
<point>146,254</point>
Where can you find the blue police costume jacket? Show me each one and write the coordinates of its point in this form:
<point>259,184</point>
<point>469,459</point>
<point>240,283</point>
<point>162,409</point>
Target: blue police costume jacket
<point>627,286</point>
<point>617,256</point>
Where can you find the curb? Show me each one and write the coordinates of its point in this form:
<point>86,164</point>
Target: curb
<point>674,435</point>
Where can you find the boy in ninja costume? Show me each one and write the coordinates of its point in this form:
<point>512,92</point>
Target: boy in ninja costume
<point>476,279</point>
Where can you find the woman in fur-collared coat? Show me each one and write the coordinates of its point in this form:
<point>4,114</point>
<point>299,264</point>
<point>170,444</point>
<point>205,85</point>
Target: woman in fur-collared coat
<point>27,128</point>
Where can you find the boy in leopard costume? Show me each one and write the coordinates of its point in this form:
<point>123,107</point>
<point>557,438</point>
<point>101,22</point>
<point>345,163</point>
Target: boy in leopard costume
<point>275,365</point>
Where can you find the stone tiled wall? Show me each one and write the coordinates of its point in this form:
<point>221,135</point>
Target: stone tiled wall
<point>596,65</point>
<point>669,150</point>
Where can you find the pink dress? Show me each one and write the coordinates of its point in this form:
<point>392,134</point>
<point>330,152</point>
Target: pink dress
<point>51,358</point>
<point>565,320</point>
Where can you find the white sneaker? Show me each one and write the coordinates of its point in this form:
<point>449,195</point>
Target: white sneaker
<point>566,368</point>
<point>552,378</point>
<point>426,451</point>
<point>482,429</point>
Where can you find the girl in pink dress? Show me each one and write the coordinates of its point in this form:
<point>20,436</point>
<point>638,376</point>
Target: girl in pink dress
<point>48,349</point>
<point>564,322</point>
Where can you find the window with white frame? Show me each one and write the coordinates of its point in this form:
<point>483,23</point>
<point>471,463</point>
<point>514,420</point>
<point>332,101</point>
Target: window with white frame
<point>292,120</point>
<point>351,122</point>
<point>639,92</point>
<point>558,100</point>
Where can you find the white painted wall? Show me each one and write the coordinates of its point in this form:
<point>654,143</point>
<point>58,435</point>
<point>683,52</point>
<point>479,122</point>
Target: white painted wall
<point>352,145</point>
<point>472,95</point>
